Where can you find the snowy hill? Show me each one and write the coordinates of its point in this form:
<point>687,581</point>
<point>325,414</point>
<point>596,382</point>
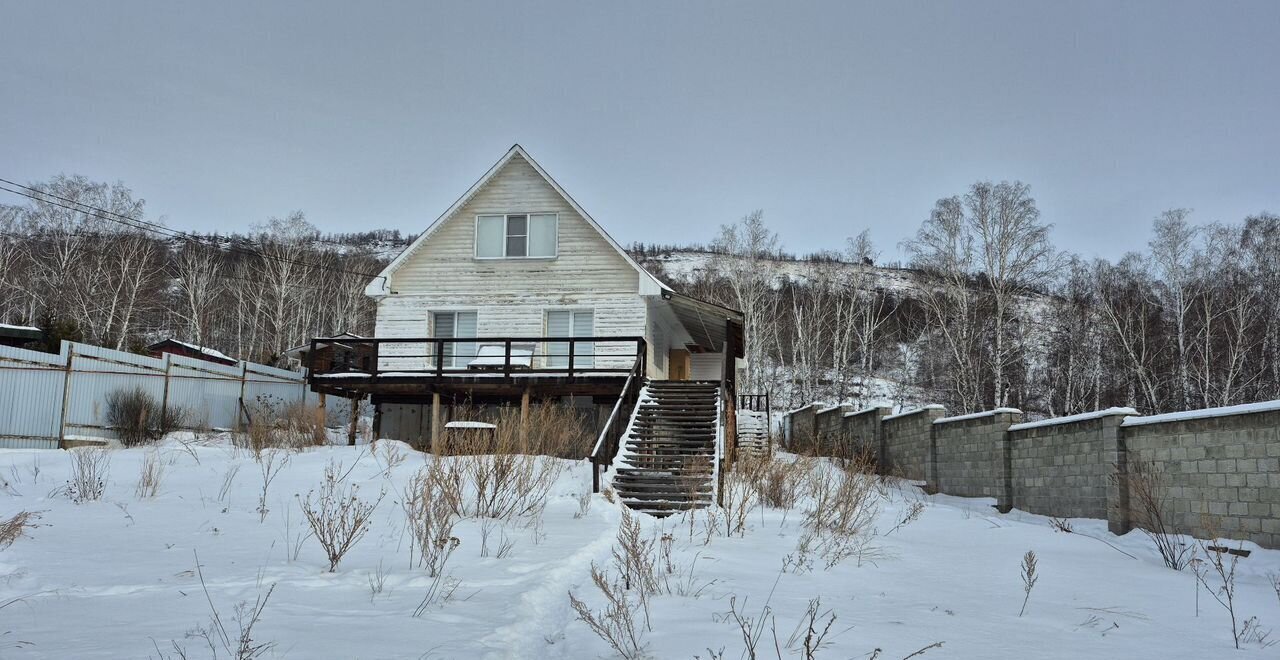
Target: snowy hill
<point>118,577</point>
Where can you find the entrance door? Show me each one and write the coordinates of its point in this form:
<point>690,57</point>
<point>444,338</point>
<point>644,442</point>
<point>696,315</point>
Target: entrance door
<point>678,364</point>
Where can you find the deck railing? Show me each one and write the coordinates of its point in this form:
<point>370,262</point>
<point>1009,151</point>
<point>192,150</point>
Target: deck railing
<point>610,439</point>
<point>388,357</point>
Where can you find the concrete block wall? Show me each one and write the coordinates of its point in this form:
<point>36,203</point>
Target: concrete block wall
<point>1220,474</point>
<point>1060,468</point>
<point>828,426</point>
<point>803,434</point>
<point>862,431</point>
<point>906,442</point>
<point>970,455</point>
<point>1219,468</point>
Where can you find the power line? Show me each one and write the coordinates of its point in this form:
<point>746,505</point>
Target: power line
<point>143,225</point>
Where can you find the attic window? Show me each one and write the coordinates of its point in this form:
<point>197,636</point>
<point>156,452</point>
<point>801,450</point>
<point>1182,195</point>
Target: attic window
<point>516,236</point>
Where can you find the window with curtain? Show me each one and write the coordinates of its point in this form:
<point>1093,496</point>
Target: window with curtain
<point>516,236</point>
<point>455,325</point>
<point>570,323</point>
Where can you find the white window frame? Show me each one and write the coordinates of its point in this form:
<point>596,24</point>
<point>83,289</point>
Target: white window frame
<point>431,322</point>
<point>547,347</point>
<point>506,218</point>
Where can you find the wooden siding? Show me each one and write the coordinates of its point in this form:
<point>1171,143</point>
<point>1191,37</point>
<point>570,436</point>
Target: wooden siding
<point>446,263</point>
<point>511,315</point>
<point>511,296</point>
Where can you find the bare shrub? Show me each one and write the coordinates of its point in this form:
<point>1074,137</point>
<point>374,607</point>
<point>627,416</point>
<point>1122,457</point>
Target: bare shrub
<point>494,477</point>
<point>634,557</point>
<point>338,517</point>
<point>838,524</point>
<point>430,509</point>
<point>1217,575</point>
<point>1061,525</point>
<point>616,623</point>
<point>377,581</point>
<point>89,469</point>
<point>16,527</point>
<point>137,417</point>
<point>150,476</point>
<point>389,455</point>
<point>912,514</point>
<point>778,484</point>
<point>738,499</point>
<point>1029,578</point>
<point>233,640</point>
<point>1148,500</point>
<point>270,463</point>
<point>810,634</point>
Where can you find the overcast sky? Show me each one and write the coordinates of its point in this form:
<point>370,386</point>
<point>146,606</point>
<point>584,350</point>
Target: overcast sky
<point>663,120</point>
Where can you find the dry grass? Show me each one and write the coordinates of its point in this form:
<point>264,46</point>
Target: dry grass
<point>17,526</point>
<point>293,426</point>
<point>151,475</point>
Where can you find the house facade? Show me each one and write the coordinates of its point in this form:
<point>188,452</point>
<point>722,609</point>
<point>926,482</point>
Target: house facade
<point>515,293</point>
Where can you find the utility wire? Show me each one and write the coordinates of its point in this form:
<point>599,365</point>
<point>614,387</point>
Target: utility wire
<point>143,225</point>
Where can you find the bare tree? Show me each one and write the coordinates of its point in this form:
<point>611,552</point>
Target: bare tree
<point>743,257</point>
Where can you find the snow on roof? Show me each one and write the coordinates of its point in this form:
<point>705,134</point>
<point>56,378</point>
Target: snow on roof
<point>470,425</point>
<point>1071,419</point>
<point>913,411</point>
<point>1242,409</point>
<point>27,328</point>
<point>207,351</point>
<point>985,413</point>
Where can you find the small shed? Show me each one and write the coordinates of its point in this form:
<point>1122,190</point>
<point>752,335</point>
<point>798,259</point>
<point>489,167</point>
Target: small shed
<point>19,336</point>
<point>332,354</point>
<point>175,347</point>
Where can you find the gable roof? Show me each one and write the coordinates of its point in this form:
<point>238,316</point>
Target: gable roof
<point>381,285</point>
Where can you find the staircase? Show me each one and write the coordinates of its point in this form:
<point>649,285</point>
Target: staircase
<point>667,462</point>
<point>753,434</point>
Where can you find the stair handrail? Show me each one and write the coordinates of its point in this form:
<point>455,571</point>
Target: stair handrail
<point>717,464</point>
<point>606,446</point>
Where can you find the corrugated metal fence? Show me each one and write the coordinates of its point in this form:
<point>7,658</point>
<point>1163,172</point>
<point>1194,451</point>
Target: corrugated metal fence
<point>45,397</point>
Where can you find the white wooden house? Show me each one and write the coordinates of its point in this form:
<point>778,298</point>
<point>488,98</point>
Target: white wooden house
<point>516,292</point>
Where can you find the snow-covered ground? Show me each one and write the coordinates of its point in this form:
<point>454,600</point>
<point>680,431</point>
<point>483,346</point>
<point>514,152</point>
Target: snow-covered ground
<point>117,578</point>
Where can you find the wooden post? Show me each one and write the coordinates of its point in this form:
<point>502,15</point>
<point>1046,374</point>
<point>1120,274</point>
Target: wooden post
<point>435,422</point>
<point>244,377</point>
<point>355,418</point>
<point>524,418</point>
<point>324,409</point>
<point>66,398</point>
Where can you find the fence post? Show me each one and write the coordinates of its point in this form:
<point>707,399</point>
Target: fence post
<point>244,376</point>
<point>164,395</point>
<point>1116,455</point>
<point>66,397</point>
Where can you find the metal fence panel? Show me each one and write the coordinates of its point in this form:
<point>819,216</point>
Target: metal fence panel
<point>36,388</point>
<point>29,382</point>
<point>208,393</point>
